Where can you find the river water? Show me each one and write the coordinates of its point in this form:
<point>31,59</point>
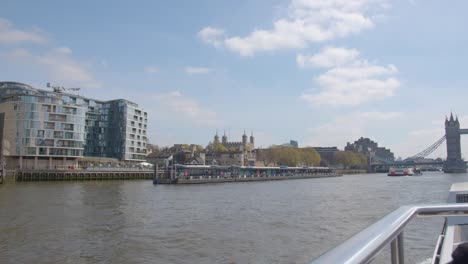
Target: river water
<point>290,221</point>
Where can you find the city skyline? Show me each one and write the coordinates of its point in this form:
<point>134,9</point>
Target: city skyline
<point>321,72</point>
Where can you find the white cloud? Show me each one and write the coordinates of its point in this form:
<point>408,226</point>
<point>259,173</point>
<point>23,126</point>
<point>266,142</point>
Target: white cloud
<point>65,70</point>
<point>57,63</point>
<point>329,57</point>
<point>63,50</point>
<point>308,21</point>
<point>10,35</point>
<point>211,36</point>
<point>351,81</point>
<point>197,70</point>
<point>59,66</point>
<point>185,108</point>
<point>348,128</point>
<point>151,69</point>
<point>16,54</point>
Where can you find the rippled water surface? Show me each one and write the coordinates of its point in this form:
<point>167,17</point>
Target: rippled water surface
<point>265,222</point>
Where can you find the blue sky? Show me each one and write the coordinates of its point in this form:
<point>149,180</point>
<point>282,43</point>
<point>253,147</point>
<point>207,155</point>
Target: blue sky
<point>323,72</point>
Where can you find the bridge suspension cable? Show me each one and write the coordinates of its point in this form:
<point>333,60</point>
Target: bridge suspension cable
<point>428,150</point>
<point>383,160</point>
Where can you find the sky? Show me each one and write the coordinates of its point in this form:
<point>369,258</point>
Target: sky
<point>322,72</point>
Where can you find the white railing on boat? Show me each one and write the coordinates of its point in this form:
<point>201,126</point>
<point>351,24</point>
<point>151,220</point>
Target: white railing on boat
<point>365,245</point>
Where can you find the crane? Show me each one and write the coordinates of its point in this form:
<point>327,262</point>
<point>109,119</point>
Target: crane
<point>59,89</point>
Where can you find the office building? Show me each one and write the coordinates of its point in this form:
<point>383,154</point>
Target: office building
<point>43,129</point>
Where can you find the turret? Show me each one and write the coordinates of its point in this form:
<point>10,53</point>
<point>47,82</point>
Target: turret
<point>216,138</point>
<point>244,139</point>
<point>225,139</point>
<point>252,139</point>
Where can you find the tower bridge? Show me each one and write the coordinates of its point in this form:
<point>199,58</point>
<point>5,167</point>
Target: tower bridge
<point>454,162</point>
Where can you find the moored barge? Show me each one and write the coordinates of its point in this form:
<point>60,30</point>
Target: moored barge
<point>196,174</point>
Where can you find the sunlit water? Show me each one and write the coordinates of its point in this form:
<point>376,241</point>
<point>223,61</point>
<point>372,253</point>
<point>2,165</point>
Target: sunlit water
<point>290,221</point>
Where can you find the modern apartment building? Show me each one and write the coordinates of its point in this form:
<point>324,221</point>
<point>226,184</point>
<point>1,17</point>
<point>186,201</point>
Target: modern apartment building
<point>48,129</point>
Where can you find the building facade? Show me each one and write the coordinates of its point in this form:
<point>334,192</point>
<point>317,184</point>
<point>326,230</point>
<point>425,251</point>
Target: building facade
<point>238,153</point>
<point>327,154</point>
<point>243,145</point>
<point>52,129</point>
<point>371,150</point>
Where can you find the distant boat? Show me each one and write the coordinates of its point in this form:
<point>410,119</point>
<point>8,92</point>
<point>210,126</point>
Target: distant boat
<point>416,172</point>
<point>400,172</point>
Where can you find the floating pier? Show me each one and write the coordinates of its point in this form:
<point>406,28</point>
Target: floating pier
<point>180,174</point>
<point>209,179</point>
<point>198,174</point>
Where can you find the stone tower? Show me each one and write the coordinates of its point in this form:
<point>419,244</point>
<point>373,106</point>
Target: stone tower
<point>216,138</point>
<point>225,139</point>
<point>252,139</point>
<point>244,139</point>
<point>454,162</point>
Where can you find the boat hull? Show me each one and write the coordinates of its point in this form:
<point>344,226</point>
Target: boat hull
<point>400,172</point>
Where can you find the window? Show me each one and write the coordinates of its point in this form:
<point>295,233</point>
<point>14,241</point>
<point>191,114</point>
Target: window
<point>46,108</point>
<point>40,133</point>
<point>31,151</point>
<point>58,134</point>
<point>42,151</point>
<point>49,125</point>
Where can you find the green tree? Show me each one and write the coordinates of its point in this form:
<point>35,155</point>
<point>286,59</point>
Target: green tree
<point>309,157</point>
<point>199,149</point>
<point>185,146</point>
<point>362,160</point>
<point>342,157</point>
<point>350,159</point>
<point>287,156</point>
<point>267,156</point>
<point>216,147</point>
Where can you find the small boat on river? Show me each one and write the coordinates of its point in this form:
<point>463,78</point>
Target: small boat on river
<point>417,172</point>
<point>400,172</point>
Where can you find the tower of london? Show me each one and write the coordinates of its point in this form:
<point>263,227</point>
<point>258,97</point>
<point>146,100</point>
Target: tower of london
<point>246,145</point>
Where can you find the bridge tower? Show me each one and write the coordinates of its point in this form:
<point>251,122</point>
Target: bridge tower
<point>454,162</point>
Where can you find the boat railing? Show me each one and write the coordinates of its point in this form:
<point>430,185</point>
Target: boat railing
<point>364,246</point>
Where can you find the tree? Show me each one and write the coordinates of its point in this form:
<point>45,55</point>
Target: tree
<point>266,156</point>
<point>362,160</point>
<point>216,147</point>
<point>199,149</point>
<point>309,157</point>
<point>153,148</point>
<point>350,159</point>
<point>287,156</point>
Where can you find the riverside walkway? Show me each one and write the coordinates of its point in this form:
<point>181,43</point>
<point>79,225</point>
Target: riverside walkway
<point>184,174</point>
<point>83,175</point>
